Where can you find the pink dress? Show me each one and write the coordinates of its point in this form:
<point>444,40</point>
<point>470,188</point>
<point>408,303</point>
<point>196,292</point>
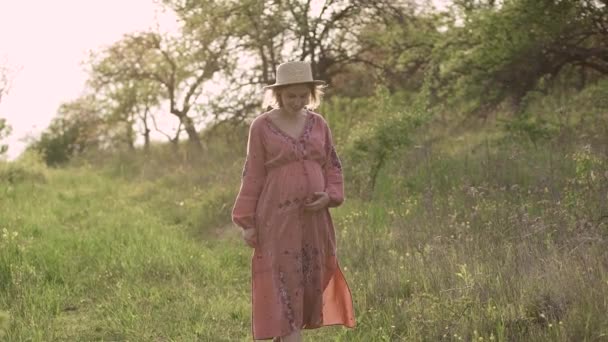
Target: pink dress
<point>296,280</point>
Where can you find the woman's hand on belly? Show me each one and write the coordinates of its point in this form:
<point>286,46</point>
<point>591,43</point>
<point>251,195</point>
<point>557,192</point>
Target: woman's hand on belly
<point>320,201</point>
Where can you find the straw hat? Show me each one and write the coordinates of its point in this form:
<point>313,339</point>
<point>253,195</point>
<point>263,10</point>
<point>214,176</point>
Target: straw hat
<point>294,73</point>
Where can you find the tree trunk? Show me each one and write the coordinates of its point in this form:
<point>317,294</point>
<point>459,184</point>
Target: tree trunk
<point>193,138</point>
<point>130,136</point>
<point>194,141</point>
<point>147,130</point>
<point>147,140</point>
<point>582,80</point>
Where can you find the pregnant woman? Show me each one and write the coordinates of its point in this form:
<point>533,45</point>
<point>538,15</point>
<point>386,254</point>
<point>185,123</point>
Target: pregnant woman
<point>291,177</point>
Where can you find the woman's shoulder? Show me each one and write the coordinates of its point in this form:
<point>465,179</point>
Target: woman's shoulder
<point>258,120</point>
<point>318,117</point>
<point>320,120</point>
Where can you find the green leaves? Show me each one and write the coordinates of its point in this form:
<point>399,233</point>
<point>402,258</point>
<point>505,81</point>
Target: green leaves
<point>373,143</point>
<point>146,71</point>
<point>501,53</point>
<point>532,127</point>
<point>78,128</point>
<point>5,130</point>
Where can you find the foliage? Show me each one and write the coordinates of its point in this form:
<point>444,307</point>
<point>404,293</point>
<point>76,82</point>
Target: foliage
<point>531,127</point>
<point>562,114</point>
<point>474,57</point>
<point>28,168</point>
<point>503,52</point>
<point>4,81</point>
<point>163,69</point>
<point>270,32</point>
<point>76,129</point>
<point>5,131</point>
<point>127,105</point>
<point>400,47</point>
<point>371,144</point>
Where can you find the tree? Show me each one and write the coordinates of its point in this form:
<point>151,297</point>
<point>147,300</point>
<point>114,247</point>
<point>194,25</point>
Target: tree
<point>173,70</point>
<point>3,81</point>
<point>77,128</point>
<point>5,129</point>
<point>269,32</point>
<point>501,52</point>
<point>400,47</point>
<point>127,105</point>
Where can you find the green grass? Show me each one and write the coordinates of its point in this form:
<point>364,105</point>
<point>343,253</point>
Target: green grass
<point>83,257</point>
<point>477,238</point>
<point>507,244</point>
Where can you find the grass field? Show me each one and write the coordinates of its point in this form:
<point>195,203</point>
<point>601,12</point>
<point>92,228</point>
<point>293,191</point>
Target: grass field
<point>493,241</point>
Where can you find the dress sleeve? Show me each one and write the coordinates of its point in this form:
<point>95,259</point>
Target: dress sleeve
<point>334,181</point>
<point>252,181</point>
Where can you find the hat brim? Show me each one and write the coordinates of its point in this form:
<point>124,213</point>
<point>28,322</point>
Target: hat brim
<point>315,82</point>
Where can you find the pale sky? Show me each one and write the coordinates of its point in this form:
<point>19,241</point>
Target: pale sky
<point>45,43</point>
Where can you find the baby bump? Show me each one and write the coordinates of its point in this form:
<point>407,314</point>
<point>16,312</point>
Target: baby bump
<point>295,181</point>
<point>316,177</point>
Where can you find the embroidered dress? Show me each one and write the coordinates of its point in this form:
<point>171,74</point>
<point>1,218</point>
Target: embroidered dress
<point>296,279</point>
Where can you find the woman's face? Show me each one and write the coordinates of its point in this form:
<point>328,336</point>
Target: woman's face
<point>295,97</point>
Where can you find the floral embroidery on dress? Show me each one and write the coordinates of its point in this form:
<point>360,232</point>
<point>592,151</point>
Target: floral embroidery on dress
<point>307,129</point>
<point>287,308</point>
<point>294,141</point>
<point>335,161</point>
<point>309,268</point>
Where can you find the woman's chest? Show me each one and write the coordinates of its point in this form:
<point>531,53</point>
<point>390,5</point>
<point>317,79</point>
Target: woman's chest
<point>293,128</point>
<point>307,143</point>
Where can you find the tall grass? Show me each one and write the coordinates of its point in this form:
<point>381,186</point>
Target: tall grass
<point>84,258</point>
<point>479,235</point>
<point>471,251</point>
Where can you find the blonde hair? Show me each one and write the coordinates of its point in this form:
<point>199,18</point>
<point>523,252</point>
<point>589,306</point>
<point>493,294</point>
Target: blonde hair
<point>272,96</point>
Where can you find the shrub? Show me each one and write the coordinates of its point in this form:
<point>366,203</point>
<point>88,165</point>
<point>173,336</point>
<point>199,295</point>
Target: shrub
<point>28,168</point>
<point>371,144</point>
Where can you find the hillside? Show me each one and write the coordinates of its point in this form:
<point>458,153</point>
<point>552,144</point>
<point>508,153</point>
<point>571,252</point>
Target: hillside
<point>470,233</point>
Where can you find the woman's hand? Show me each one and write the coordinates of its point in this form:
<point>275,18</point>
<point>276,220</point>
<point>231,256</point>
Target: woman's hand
<point>250,236</point>
<point>320,201</point>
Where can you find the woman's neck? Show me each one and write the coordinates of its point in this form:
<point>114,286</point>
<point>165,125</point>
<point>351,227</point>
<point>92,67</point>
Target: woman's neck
<point>290,114</point>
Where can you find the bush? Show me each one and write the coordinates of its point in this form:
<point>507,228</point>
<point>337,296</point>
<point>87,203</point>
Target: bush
<point>371,144</point>
<point>565,115</point>
<point>76,129</point>
<point>28,168</point>
<point>5,130</point>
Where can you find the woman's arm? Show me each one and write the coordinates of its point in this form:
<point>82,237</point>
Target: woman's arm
<point>334,181</point>
<point>252,182</point>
